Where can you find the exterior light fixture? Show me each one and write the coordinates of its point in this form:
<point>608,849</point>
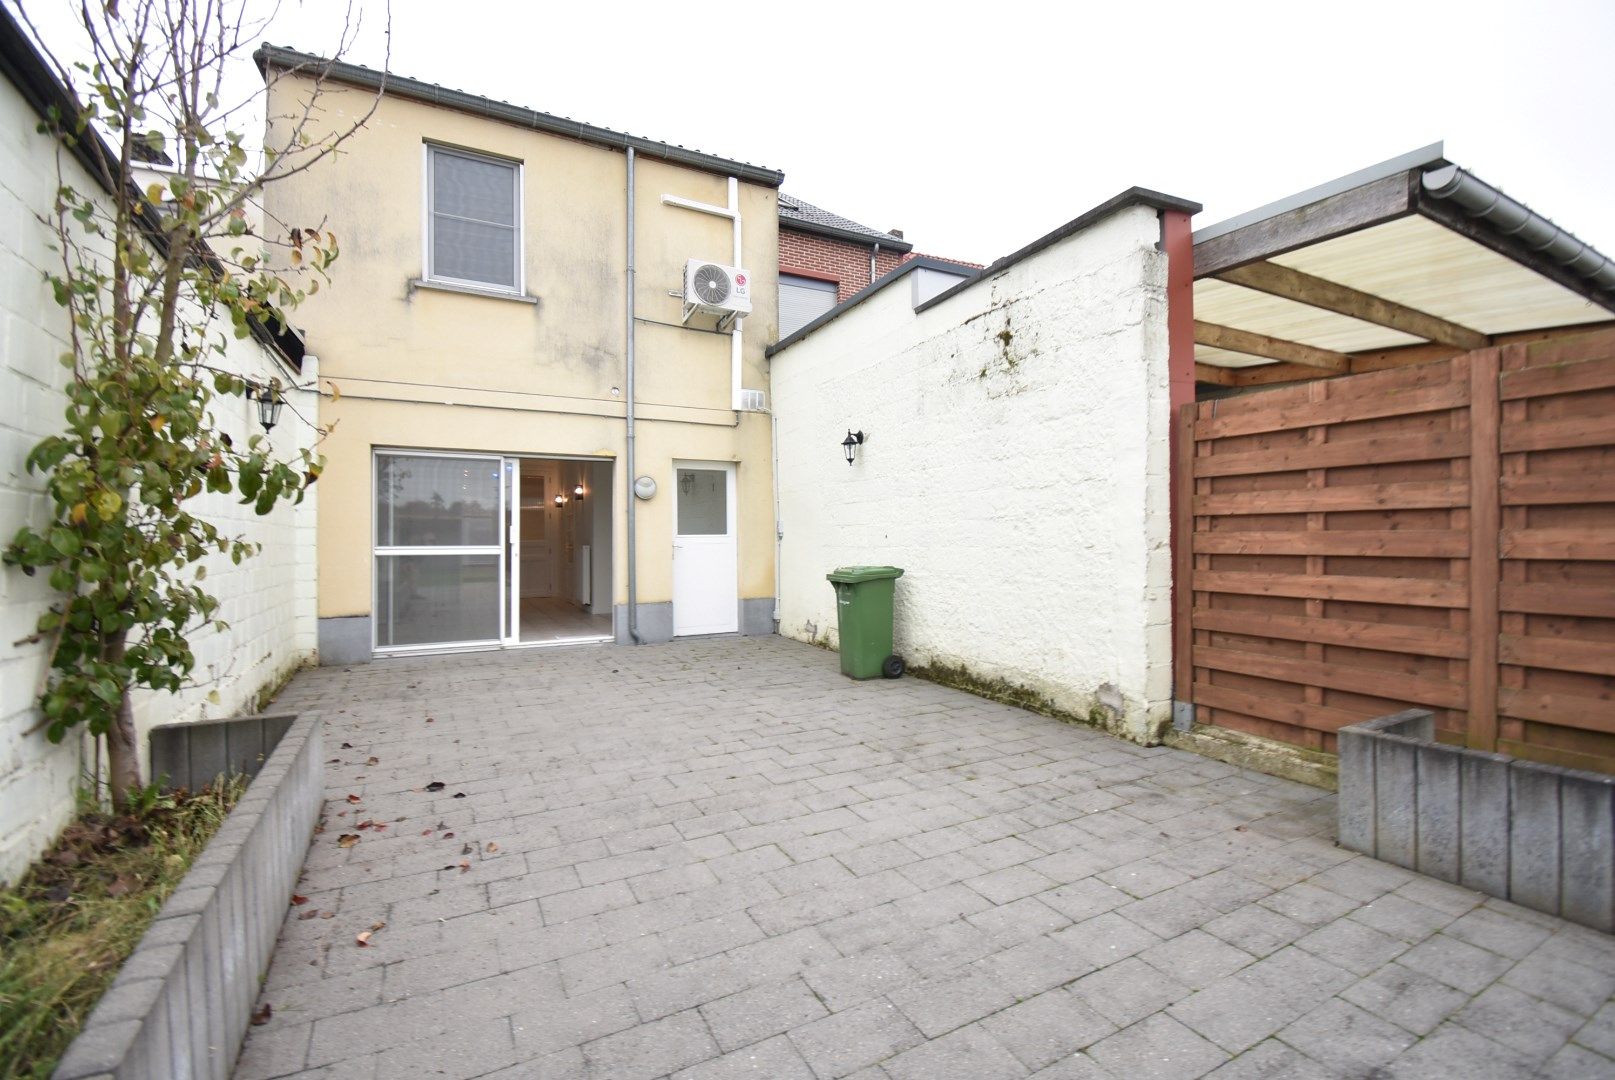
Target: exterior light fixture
<point>577,493</point>
<point>267,395</point>
<point>560,501</point>
<point>850,445</point>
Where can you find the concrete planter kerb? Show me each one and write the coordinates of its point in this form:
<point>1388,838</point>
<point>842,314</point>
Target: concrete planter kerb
<point>1539,835</point>
<point>181,1004</point>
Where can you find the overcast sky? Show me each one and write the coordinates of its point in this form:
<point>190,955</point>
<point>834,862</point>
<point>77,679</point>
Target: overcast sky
<point>976,128</point>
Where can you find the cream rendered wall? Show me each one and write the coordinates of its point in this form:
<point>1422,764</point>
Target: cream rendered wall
<point>1015,467</point>
<point>431,369</point>
<point>269,600</point>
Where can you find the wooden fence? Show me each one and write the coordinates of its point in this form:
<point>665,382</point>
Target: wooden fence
<point>1439,536</point>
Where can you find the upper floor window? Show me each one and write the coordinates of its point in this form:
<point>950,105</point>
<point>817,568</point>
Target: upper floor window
<point>473,220</point>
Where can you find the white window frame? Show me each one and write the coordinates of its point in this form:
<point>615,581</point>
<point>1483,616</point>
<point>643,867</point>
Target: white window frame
<point>429,216</point>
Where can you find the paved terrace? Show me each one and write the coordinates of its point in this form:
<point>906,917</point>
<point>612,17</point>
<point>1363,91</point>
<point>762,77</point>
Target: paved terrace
<point>720,859</point>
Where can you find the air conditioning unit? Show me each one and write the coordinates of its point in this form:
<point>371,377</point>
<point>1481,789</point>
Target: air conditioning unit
<point>716,289</point>
<point>752,401</point>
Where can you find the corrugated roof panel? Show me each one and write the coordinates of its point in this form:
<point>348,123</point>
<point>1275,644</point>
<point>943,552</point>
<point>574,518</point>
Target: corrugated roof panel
<point>1424,265</point>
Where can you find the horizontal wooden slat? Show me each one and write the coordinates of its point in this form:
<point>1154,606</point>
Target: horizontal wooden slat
<point>1564,433</point>
<point>1299,713</point>
<point>1557,654</point>
<point>1246,416</point>
<point>1412,543</point>
<point>1414,592</point>
<point>1387,637</point>
<point>1553,755</point>
<point>1538,599</point>
<point>1560,710</point>
<point>1552,490</point>
<point>1431,446</point>
<point>1415,495</point>
<point>1556,379</point>
<point>1394,685</point>
<point>1556,544</point>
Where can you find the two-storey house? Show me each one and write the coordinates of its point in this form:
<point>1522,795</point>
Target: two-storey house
<point>547,423</point>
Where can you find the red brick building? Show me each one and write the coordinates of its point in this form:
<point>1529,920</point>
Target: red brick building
<point>825,258</point>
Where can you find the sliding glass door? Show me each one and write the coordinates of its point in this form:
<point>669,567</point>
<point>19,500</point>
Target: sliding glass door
<point>439,550</point>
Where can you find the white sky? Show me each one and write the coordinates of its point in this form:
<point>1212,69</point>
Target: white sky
<point>976,128</point>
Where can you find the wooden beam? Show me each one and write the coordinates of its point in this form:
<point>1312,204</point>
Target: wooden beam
<point>1371,204</point>
<point>1243,341</point>
<point>1211,373</point>
<point>1317,292</point>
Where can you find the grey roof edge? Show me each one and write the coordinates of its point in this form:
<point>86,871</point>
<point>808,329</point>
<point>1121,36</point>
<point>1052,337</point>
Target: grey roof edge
<point>1133,196</point>
<point>918,262</point>
<point>1423,158</point>
<point>892,243</point>
<point>286,59</point>
<point>25,67</point>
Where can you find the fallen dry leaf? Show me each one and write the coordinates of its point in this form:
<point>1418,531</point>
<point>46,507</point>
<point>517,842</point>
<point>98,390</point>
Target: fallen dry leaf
<point>436,785</point>
<point>334,761</point>
<point>347,839</point>
<point>327,914</point>
<point>426,832</point>
<point>353,798</point>
<point>260,1017</point>
<point>299,900</point>
<point>122,885</point>
<point>347,746</point>
<point>465,849</point>
<point>311,913</point>
<point>459,794</point>
<point>362,938</point>
<point>491,848</point>
<point>372,761</point>
<point>465,864</point>
<point>448,836</point>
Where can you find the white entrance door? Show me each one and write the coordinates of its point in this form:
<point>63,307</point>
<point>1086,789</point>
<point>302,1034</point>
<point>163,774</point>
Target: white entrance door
<point>706,556</point>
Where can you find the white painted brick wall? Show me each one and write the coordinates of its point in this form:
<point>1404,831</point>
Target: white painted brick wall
<point>1022,484</point>
<point>269,601</point>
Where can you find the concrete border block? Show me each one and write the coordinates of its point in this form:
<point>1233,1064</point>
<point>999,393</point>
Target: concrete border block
<point>1539,835</point>
<point>181,1004</point>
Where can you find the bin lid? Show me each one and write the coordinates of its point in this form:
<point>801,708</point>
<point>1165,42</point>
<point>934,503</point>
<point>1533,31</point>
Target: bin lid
<point>852,575</point>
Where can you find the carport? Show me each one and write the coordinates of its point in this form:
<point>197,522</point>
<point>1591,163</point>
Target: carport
<point>1405,262</point>
<point>1395,487</point>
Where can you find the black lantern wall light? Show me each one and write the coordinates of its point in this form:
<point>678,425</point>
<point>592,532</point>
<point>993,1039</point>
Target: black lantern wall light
<point>267,396</point>
<point>850,445</point>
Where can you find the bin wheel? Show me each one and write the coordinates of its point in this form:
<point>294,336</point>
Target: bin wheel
<point>893,667</point>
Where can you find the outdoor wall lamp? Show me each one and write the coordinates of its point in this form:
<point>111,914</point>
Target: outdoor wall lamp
<point>560,501</point>
<point>267,395</point>
<point>577,493</point>
<point>850,445</point>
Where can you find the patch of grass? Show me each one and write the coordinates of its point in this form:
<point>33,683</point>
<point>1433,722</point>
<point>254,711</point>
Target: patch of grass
<point>78,914</point>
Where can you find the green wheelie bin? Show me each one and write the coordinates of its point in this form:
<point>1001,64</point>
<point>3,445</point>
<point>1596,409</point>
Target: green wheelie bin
<point>864,615</point>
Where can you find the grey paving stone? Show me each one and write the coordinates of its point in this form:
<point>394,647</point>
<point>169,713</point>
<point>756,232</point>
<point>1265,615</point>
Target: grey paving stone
<point>757,1013</point>
<point>1047,1028</point>
<point>942,1004</point>
<point>1406,997</point>
<point>1566,983</point>
<point>850,1040</point>
<point>1533,1027</point>
<point>1128,991</point>
<point>1158,1048</point>
<point>1454,1053</point>
<point>1456,963</point>
<point>971,1053</point>
<point>556,1025</point>
<point>652,1049</point>
<point>772,1059</point>
<point>845,982</point>
<point>1196,959</point>
<point>709,842</point>
<point>1576,1063</point>
<point>1272,1060</point>
<point>1351,1040</point>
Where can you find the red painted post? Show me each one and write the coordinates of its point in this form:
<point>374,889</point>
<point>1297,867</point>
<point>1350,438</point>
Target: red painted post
<point>1177,240</point>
